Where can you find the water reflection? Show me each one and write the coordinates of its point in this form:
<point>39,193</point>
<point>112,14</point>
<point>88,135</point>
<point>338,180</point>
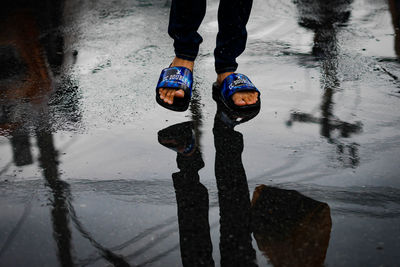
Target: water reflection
<point>233,195</point>
<point>34,76</point>
<point>32,61</point>
<point>394,7</point>
<point>290,229</point>
<point>192,196</point>
<point>63,212</point>
<point>325,20</point>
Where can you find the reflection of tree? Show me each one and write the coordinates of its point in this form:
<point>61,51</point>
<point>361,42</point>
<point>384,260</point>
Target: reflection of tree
<point>325,19</point>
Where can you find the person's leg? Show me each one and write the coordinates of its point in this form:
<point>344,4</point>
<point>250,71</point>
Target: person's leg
<point>184,21</point>
<point>233,16</point>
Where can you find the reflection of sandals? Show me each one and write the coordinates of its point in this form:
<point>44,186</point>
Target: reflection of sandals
<point>231,118</point>
<point>232,84</point>
<point>176,78</point>
<point>179,137</point>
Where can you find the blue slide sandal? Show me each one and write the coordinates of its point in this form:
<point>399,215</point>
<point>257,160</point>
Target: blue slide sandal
<point>234,83</point>
<point>176,78</point>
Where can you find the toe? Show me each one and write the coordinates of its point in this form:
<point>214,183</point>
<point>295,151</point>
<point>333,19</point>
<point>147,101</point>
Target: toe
<point>255,97</point>
<point>180,93</point>
<point>166,95</point>
<point>250,99</point>
<point>161,92</point>
<point>170,96</point>
<point>247,99</point>
<point>238,100</point>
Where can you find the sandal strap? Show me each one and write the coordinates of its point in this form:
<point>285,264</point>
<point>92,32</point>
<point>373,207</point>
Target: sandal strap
<point>236,82</point>
<point>177,78</point>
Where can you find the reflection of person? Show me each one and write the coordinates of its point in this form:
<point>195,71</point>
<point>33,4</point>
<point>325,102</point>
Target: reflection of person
<point>185,19</point>
<point>192,197</point>
<point>323,18</point>
<point>291,229</point>
<point>233,194</point>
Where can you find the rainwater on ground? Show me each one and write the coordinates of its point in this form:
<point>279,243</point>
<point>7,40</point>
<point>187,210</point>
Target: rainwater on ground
<point>86,178</point>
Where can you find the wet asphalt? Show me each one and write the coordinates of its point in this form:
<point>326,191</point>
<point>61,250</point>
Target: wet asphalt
<point>86,176</point>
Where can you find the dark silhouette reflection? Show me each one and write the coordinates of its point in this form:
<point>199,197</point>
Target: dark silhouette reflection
<point>26,85</point>
<point>394,7</point>
<point>192,197</point>
<point>60,192</point>
<point>63,213</point>
<point>290,229</point>
<point>326,18</point>
<point>233,195</point>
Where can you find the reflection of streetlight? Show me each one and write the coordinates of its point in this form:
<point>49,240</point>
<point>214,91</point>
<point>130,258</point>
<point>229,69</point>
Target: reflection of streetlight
<point>325,19</point>
<point>63,209</point>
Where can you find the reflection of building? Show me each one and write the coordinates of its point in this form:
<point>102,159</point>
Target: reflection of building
<point>290,229</point>
<point>325,19</point>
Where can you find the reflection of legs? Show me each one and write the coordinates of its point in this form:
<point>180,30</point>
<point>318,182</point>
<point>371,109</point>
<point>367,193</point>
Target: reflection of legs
<point>234,200</point>
<point>192,201</point>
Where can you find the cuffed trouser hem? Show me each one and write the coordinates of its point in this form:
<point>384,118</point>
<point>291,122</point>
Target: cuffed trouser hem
<point>225,69</point>
<point>185,56</point>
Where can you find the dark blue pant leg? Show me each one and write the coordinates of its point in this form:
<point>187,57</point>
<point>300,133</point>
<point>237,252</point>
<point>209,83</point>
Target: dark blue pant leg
<point>184,21</point>
<point>232,36</point>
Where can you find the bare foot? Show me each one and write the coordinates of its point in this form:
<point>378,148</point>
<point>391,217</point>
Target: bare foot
<point>168,94</point>
<point>239,98</point>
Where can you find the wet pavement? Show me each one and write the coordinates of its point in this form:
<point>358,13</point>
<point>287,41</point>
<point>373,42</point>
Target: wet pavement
<point>86,176</point>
